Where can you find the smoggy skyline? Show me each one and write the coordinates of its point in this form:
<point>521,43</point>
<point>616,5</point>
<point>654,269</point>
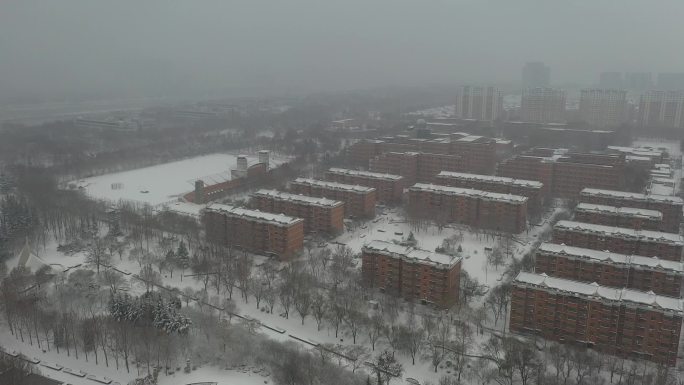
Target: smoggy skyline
<point>75,48</point>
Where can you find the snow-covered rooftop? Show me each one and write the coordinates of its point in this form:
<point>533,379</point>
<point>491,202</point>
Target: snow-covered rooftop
<point>509,198</point>
<point>278,219</point>
<point>643,235</point>
<point>637,158</point>
<point>411,253</point>
<point>632,196</point>
<point>621,211</point>
<point>662,180</point>
<point>594,290</point>
<point>490,178</point>
<point>334,185</point>
<point>367,174</point>
<point>285,196</point>
<point>640,151</point>
<point>469,138</point>
<point>609,257</point>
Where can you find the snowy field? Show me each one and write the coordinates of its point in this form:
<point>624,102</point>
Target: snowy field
<point>163,183</point>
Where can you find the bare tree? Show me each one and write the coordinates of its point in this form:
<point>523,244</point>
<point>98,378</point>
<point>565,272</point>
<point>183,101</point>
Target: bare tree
<point>375,328</point>
<point>98,254</point>
<point>319,308</point>
<point>411,339</point>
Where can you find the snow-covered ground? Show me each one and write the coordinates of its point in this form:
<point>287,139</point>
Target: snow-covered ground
<point>387,226</point>
<point>212,374</point>
<point>9,343</point>
<point>390,227</point>
<point>163,183</point>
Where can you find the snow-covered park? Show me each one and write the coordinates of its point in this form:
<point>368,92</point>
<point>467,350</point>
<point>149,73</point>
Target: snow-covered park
<point>164,183</point>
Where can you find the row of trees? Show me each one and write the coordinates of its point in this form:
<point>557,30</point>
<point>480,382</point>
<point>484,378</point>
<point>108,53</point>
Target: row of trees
<point>78,315</point>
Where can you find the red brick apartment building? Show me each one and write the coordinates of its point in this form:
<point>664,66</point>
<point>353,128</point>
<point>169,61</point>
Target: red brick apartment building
<point>669,206</point>
<point>622,322</point>
<point>475,153</point>
<point>411,273</point>
<point>629,217</point>
<point>415,166</point>
<point>359,201</point>
<point>648,243</point>
<point>529,167</point>
<point>397,163</point>
<point>527,188</point>
<point>488,210</point>
<point>478,152</point>
<point>254,230</point>
<point>574,172</point>
<point>566,174</point>
<point>321,215</point>
<point>389,188</point>
<point>610,269</point>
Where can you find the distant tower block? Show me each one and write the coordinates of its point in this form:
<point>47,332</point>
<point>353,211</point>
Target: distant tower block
<point>242,162</point>
<point>264,156</point>
<point>199,192</point>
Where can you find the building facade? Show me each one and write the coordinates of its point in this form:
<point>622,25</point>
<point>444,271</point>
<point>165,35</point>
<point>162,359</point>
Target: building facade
<point>488,210</point>
<point>603,107</point>
<point>359,201</point>
<point>629,217</point>
<point>253,230</point>
<point>669,206</point>
<point>542,105</point>
<point>389,188</point>
<point>321,215</point>
<point>648,243</point>
<point>415,166</point>
<point>610,269</point>
<point>527,188</point>
<point>623,322</point>
<point>529,167</point>
<point>662,109</point>
<point>576,171</point>
<point>413,274</point>
<point>565,174</point>
<point>479,103</point>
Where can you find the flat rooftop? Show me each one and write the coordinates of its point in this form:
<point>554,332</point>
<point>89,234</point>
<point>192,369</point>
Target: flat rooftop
<point>411,253</point>
<point>509,198</point>
<point>365,174</point>
<point>278,219</point>
<point>334,185</point>
<point>644,235</point>
<point>297,198</point>
<point>610,257</point>
<point>490,178</point>
<point>594,290</point>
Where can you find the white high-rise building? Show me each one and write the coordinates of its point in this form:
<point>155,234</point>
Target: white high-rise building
<point>662,109</point>
<point>542,105</point>
<point>480,103</point>
<point>603,108</point>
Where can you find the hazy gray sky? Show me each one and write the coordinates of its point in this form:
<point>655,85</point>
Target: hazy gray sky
<point>65,47</point>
